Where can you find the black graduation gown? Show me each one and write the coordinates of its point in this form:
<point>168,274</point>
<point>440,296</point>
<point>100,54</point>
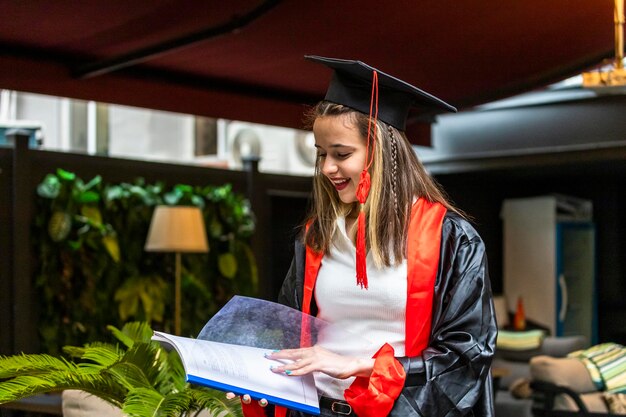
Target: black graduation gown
<point>452,375</point>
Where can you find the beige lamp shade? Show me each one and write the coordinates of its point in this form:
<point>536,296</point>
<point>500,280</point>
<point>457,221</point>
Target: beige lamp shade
<point>177,229</point>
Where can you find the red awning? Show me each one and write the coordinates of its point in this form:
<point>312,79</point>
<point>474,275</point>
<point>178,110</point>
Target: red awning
<point>243,59</point>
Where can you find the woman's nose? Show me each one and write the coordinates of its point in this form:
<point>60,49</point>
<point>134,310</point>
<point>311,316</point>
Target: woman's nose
<point>328,166</point>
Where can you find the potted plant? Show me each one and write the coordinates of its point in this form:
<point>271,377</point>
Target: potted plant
<point>135,374</point>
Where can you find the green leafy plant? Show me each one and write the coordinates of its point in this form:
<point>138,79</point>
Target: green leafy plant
<point>134,374</point>
<point>93,269</point>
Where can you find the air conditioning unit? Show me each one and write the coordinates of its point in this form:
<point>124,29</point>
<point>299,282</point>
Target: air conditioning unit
<point>281,150</point>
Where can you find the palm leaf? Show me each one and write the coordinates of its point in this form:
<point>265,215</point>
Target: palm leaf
<point>25,386</point>
<point>127,340</point>
<point>141,399</point>
<point>132,332</point>
<point>149,359</point>
<point>176,372</point>
<point>74,351</point>
<point>216,403</point>
<point>129,375</point>
<point>11,366</point>
<point>168,379</point>
<point>102,354</point>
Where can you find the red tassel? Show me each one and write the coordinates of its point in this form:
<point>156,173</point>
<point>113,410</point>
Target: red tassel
<point>362,192</point>
<point>361,267</point>
<point>363,188</point>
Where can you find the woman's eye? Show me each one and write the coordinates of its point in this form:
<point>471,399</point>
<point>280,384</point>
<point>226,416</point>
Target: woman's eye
<point>343,155</point>
<point>321,155</point>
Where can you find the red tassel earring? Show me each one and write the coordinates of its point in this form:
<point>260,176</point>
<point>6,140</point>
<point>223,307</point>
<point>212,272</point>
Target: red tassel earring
<point>363,188</point>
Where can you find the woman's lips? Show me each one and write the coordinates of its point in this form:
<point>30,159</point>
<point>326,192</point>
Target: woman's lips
<point>340,185</point>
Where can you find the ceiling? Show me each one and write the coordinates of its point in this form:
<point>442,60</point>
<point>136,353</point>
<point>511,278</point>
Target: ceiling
<point>243,59</point>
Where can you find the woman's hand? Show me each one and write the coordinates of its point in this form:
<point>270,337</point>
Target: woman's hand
<point>316,358</point>
<point>246,399</point>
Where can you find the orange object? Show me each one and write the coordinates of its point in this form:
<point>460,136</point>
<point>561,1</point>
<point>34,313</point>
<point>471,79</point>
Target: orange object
<point>519,321</point>
<point>375,395</point>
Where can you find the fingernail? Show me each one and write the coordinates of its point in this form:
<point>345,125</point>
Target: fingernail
<point>276,350</point>
<point>272,367</point>
<point>288,372</point>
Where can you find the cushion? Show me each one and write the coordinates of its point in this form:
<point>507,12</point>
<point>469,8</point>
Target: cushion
<point>76,403</point>
<point>606,364</point>
<point>550,345</point>
<point>568,372</point>
<point>511,340</point>
<point>562,346</point>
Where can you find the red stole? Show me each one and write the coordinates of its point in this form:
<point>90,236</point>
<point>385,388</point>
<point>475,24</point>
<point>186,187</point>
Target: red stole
<point>423,245</point>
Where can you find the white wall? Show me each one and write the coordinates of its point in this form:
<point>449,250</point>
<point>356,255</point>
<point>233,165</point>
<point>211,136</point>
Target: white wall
<point>139,133</point>
<point>46,110</point>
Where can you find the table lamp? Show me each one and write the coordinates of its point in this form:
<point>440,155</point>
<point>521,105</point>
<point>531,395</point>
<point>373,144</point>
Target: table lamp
<point>177,229</point>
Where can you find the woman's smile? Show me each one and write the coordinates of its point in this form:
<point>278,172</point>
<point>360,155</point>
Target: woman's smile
<point>340,184</point>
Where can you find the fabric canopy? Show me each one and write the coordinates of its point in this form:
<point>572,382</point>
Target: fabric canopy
<point>243,59</point>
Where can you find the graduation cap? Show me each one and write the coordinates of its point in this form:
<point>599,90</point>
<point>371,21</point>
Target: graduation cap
<point>351,86</point>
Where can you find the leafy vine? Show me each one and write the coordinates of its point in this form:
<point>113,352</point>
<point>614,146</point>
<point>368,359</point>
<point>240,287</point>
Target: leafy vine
<point>93,271</point>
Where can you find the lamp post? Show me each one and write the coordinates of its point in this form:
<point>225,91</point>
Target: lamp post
<point>178,229</point>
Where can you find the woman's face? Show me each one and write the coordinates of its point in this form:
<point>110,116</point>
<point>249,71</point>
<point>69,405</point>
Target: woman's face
<point>342,153</point>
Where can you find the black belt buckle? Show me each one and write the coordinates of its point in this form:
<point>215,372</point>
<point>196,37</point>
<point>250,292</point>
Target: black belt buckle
<point>340,407</point>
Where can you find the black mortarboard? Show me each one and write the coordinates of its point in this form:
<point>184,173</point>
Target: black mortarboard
<point>351,86</point>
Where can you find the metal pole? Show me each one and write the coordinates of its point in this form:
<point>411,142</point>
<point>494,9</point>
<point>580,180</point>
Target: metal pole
<point>619,33</point>
<point>178,296</point>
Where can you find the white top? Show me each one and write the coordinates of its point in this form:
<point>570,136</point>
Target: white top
<point>376,314</point>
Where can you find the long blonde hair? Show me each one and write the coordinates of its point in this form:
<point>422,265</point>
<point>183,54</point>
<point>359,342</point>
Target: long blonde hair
<point>397,178</point>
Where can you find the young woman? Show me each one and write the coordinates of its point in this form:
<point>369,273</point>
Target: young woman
<point>421,293</point>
